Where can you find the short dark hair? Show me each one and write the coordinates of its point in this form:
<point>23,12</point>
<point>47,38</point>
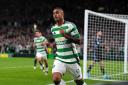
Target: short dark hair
<point>37,31</point>
<point>58,8</point>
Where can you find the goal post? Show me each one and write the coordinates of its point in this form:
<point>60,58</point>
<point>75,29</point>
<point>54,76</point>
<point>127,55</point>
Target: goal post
<point>110,59</point>
<point>126,50</point>
<point>85,45</point>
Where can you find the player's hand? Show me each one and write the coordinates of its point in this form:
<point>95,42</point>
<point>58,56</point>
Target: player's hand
<point>43,44</point>
<point>62,32</point>
<point>68,36</point>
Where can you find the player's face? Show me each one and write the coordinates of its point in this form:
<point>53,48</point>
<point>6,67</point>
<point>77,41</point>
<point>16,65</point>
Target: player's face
<point>38,34</point>
<point>99,33</point>
<point>58,15</point>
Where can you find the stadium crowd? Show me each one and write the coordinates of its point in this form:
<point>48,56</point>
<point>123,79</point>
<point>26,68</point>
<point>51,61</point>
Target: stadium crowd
<point>17,18</point>
<point>15,39</point>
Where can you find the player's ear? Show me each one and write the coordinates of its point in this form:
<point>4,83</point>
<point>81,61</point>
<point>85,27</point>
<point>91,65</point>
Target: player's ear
<point>62,12</point>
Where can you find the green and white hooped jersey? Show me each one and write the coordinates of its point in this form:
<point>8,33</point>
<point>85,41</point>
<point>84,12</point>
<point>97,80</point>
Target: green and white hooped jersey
<point>65,51</point>
<point>38,42</point>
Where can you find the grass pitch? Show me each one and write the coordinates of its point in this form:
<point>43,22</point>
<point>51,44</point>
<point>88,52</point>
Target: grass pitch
<point>19,71</point>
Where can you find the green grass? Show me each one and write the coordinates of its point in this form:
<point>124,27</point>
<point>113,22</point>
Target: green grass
<point>19,71</point>
<point>114,69</point>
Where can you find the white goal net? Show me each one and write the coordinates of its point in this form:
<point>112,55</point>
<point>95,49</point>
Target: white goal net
<point>105,46</point>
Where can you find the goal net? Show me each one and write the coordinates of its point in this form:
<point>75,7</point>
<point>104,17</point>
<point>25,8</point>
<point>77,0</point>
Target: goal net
<point>105,46</point>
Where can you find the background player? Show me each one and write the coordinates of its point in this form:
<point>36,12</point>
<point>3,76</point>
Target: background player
<point>41,50</point>
<point>98,48</point>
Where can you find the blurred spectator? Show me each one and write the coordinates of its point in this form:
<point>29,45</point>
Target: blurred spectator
<point>15,39</point>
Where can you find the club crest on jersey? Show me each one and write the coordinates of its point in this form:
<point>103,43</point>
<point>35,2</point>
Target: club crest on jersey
<point>53,33</point>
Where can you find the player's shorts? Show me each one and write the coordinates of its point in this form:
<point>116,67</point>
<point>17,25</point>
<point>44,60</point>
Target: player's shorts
<point>41,55</point>
<point>73,69</point>
<point>98,55</point>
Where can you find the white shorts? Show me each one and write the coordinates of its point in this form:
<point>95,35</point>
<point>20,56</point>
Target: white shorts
<point>73,69</point>
<point>41,55</point>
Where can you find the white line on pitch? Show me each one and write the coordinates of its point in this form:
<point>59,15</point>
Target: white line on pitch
<point>19,67</point>
<point>15,67</point>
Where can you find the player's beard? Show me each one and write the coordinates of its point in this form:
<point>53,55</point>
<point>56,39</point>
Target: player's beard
<point>58,20</point>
